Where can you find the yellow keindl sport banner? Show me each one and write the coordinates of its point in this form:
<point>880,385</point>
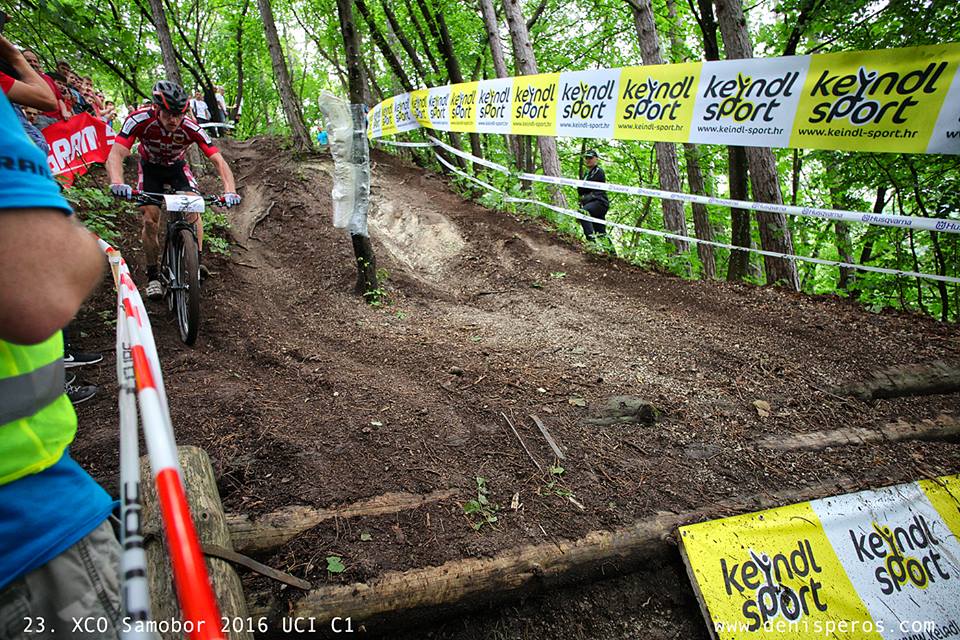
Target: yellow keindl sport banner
<point>894,100</point>
<point>879,564</point>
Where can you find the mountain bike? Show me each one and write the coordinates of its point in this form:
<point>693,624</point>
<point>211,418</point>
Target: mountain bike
<point>180,264</point>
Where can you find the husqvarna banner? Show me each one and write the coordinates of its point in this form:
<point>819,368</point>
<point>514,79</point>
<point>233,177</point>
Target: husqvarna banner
<point>881,564</point>
<point>895,100</point>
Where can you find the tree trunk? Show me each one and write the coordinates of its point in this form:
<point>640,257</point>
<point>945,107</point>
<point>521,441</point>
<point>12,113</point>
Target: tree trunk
<point>170,66</point>
<point>871,235</point>
<point>844,245</point>
<point>291,109</point>
<point>499,66</point>
<point>423,38</point>
<point>384,47</point>
<point>437,26</point>
<point>701,217</point>
<point>739,265</point>
<point>526,64</point>
<point>357,85</point>
<point>774,231</point>
<point>674,218</point>
<point>404,41</point>
<point>373,88</point>
<point>236,109</point>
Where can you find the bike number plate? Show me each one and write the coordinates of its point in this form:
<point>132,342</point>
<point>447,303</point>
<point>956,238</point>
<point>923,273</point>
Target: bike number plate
<point>184,203</point>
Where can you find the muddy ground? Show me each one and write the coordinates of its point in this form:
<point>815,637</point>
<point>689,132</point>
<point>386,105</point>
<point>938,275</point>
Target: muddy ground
<point>303,394</point>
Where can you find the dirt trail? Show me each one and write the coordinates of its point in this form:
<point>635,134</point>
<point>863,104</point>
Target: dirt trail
<point>303,394</point>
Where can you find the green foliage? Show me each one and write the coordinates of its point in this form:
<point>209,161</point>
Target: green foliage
<point>554,484</point>
<point>481,511</point>
<point>379,297</point>
<point>216,225</point>
<point>335,564</point>
<point>96,208</point>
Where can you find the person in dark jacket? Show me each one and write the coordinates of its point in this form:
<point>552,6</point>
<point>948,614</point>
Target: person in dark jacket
<point>594,201</point>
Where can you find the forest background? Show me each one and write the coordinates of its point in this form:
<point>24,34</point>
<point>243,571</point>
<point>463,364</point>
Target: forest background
<point>274,57</point>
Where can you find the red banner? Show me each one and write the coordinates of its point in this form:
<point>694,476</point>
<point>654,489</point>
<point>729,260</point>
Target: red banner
<point>76,143</point>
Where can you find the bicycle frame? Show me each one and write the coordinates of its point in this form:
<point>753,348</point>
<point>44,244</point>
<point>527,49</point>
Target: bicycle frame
<point>180,262</point>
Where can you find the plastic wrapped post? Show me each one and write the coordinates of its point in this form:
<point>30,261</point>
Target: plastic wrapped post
<point>346,129</point>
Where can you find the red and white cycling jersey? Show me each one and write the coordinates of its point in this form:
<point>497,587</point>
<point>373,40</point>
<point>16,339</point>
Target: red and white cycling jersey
<point>159,146</point>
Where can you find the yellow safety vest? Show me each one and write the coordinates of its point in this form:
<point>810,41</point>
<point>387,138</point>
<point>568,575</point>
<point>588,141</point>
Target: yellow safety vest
<point>37,420</point>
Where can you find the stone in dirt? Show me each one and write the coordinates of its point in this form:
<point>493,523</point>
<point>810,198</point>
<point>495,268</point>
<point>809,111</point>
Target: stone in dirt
<point>623,410</point>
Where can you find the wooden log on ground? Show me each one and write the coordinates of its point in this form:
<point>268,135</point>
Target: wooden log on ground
<point>943,427</point>
<point>399,599</point>
<point>211,524</point>
<point>268,531</point>
<point>911,380</point>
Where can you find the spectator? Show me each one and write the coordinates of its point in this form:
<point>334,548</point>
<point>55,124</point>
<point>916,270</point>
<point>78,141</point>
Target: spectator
<point>109,113</point>
<point>46,118</point>
<point>199,108</point>
<point>22,85</point>
<point>88,93</point>
<point>73,86</point>
<point>222,103</point>
<point>67,567</point>
<point>19,66</point>
<point>594,201</point>
<point>66,96</point>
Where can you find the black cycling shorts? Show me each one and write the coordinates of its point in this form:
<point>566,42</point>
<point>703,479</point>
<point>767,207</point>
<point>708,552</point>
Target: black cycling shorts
<point>157,178</point>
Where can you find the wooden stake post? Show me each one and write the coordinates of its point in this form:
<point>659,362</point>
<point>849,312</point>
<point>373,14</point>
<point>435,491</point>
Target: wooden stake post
<point>211,524</point>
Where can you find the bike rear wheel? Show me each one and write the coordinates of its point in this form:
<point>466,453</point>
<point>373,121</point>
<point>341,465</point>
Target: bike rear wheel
<point>187,296</point>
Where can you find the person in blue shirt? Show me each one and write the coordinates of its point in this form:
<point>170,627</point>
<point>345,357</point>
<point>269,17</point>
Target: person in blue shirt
<point>59,558</point>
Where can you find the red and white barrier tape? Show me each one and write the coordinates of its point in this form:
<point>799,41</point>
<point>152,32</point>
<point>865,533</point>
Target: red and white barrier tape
<point>195,594</point>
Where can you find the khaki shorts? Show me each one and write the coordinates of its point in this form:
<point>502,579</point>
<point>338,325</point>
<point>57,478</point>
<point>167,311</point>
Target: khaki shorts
<point>75,595</point>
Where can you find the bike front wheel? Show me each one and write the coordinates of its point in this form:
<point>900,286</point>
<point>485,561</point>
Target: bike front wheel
<point>187,295</point>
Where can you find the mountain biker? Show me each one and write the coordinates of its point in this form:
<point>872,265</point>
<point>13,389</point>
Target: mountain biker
<point>165,135</point>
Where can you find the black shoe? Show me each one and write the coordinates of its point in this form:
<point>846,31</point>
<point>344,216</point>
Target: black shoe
<point>78,358</point>
<point>69,379</point>
<point>79,393</point>
<point>204,272</point>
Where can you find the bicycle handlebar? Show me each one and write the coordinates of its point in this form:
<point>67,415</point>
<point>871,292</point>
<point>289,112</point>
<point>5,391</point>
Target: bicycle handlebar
<point>149,195</point>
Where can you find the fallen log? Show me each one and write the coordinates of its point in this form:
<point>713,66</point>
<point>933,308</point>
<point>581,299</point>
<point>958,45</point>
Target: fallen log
<point>210,522</point>
<point>911,380</point>
<point>943,427</point>
<point>399,599</point>
<point>268,531</point>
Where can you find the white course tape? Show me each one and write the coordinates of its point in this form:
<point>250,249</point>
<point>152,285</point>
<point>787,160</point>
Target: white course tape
<point>394,143</point>
<point>220,125</point>
<point>470,157</point>
<point>673,236</point>
<point>886,220</point>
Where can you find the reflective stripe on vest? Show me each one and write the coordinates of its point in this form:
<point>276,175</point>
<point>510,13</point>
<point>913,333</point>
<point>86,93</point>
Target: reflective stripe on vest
<point>24,395</point>
<point>37,421</point>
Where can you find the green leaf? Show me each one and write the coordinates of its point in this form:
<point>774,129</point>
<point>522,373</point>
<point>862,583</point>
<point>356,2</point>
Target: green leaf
<point>557,470</point>
<point>365,537</point>
<point>335,564</point>
<point>471,506</point>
